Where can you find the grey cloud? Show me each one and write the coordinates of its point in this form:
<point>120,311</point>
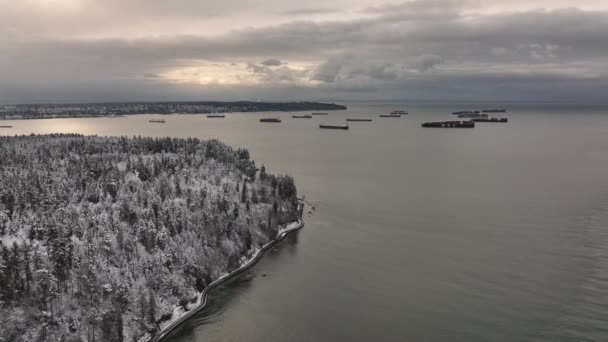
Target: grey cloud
<point>387,43</point>
<point>427,62</point>
<point>271,62</point>
<point>420,9</point>
<point>310,11</point>
<point>329,70</point>
<point>280,74</point>
<point>381,71</point>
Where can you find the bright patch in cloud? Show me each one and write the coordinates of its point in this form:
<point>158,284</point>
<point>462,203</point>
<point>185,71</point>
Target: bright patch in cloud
<point>208,73</point>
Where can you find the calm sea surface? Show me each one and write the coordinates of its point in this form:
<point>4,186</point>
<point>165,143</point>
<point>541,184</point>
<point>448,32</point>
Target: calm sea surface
<point>497,233</point>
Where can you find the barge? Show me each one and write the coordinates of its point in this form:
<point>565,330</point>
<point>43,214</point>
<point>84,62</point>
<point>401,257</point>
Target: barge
<point>307,116</point>
<point>449,124</point>
<point>359,120</point>
<point>270,120</point>
<point>157,121</point>
<point>216,116</point>
<point>490,120</point>
<point>333,126</point>
<point>6,126</point>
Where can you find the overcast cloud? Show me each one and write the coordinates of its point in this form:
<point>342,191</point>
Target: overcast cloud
<point>85,50</point>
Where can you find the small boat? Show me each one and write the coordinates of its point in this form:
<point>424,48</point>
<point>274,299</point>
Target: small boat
<point>334,126</point>
<point>359,120</point>
<point>319,113</point>
<point>216,116</point>
<point>157,121</point>
<point>307,116</point>
<point>270,120</point>
<point>486,119</point>
<point>495,110</point>
<point>390,115</point>
<point>449,124</point>
<point>400,112</point>
<point>6,126</point>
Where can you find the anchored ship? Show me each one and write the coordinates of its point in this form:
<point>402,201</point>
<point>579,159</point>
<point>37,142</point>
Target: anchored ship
<point>359,120</point>
<point>473,116</point>
<point>270,120</point>
<point>449,124</point>
<point>490,119</point>
<point>333,126</point>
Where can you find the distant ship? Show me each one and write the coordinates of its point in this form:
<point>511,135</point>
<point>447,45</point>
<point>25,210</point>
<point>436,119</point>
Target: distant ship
<point>319,113</point>
<point>359,120</point>
<point>473,115</point>
<point>6,126</point>
<point>307,116</point>
<point>214,116</point>
<point>334,126</point>
<point>466,112</point>
<point>399,112</point>
<point>449,124</point>
<point>495,110</point>
<point>490,120</point>
<point>270,120</point>
<point>390,115</point>
<point>157,121</point>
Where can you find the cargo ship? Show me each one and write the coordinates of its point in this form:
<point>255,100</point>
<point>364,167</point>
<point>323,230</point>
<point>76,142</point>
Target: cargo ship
<point>490,119</point>
<point>334,126</point>
<point>390,115</point>
<point>270,120</point>
<point>495,110</point>
<point>319,113</point>
<point>157,121</point>
<point>449,124</point>
<point>216,116</point>
<point>473,116</point>
<point>466,112</point>
<point>358,120</point>
<point>302,116</point>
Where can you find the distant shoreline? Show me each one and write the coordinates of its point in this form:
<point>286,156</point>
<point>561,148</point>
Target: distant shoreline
<point>159,336</point>
<point>88,110</point>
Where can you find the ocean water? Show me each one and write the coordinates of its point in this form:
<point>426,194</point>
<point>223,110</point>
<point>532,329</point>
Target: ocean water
<point>496,233</point>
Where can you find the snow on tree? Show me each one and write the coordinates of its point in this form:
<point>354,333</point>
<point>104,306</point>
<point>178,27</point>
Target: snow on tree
<point>100,238</point>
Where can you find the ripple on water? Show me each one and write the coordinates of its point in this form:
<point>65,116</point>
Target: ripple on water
<point>585,319</point>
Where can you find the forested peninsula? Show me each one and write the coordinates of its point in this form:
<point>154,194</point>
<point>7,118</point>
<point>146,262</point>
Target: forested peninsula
<point>85,110</point>
<point>103,238</point>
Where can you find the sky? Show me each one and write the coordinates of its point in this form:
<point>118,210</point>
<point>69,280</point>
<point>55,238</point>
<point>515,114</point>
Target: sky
<point>327,50</point>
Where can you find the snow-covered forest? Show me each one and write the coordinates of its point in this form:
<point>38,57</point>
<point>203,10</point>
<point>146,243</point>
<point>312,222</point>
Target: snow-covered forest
<point>102,238</point>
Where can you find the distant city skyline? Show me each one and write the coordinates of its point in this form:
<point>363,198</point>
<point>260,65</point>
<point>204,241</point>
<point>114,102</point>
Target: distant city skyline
<point>451,50</point>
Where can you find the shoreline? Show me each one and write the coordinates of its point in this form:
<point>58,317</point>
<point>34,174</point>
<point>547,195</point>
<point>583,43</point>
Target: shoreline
<point>119,116</point>
<point>289,228</point>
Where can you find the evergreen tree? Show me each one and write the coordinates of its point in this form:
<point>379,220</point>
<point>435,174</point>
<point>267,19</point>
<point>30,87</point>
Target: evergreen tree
<point>151,308</point>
